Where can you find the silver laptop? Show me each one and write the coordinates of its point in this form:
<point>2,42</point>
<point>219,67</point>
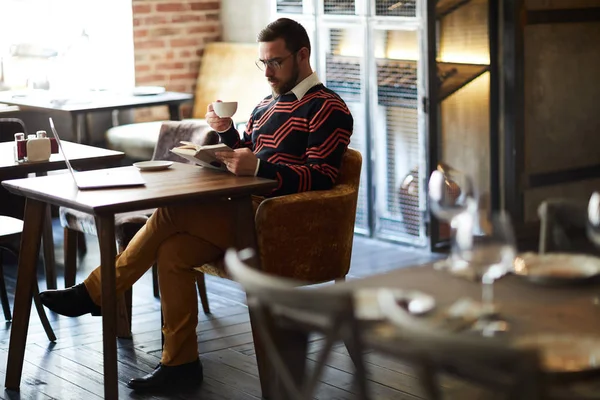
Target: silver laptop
<point>100,179</point>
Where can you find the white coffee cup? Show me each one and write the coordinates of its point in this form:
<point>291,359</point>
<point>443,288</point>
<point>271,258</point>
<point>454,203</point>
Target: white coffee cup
<point>225,109</point>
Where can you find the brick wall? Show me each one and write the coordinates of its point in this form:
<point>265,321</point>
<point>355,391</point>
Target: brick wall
<point>169,38</point>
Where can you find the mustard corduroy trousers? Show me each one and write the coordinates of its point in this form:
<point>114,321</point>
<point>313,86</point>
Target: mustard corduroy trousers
<point>177,238</point>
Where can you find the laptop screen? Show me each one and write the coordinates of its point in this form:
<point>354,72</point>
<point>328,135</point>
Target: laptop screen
<point>62,150</point>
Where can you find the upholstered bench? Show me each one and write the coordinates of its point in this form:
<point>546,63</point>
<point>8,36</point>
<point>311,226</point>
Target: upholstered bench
<point>137,141</point>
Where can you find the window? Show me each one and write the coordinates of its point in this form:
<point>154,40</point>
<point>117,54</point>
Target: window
<point>67,44</point>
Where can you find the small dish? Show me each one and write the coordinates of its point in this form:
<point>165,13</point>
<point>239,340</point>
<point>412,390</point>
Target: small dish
<point>565,355</point>
<point>147,90</point>
<point>367,306</point>
<point>152,165</point>
<point>557,268</point>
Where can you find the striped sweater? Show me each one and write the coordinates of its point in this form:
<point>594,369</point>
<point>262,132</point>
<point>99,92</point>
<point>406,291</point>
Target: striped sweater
<point>300,143</point>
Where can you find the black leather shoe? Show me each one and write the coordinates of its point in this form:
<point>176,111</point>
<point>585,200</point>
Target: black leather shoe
<point>71,302</point>
<point>165,376</point>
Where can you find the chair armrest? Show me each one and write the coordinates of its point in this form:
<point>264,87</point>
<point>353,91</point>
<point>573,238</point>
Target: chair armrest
<point>308,236</point>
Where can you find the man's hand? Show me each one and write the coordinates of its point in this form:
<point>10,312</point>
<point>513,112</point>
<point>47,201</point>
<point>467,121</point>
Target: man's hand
<point>241,162</point>
<point>215,122</point>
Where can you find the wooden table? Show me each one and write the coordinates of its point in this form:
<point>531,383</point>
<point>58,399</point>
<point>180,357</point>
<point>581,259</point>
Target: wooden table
<point>529,308</point>
<point>79,108</point>
<point>180,183</point>
<point>82,157</point>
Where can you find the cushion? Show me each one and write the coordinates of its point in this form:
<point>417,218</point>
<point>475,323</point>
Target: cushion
<point>137,141</point>
<point>124,222</point>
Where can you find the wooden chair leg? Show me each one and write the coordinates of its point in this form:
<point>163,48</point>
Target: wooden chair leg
<point>70,249</point>
<point>124,309</point>
<point>201,284</point>
<point>42,314</point>
<point>81,244</point>
<point>3,294</point>
<point>155,289</point>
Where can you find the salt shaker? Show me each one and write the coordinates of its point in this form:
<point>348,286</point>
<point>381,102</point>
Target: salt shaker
<point>20,148</point>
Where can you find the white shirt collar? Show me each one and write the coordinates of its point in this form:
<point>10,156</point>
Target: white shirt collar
<point>300,89</point>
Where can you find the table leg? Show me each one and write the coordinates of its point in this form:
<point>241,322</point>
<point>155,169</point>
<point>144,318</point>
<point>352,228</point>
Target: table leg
<point>26,273</point>
<point>87,128</point>
<point>246,237</point>
<point>48,245</point>
<point>48,241</point>
<point>106,235</point>
<point>77,133</point>
<point>174,112</point>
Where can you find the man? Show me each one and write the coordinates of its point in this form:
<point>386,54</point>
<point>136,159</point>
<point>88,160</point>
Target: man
<point>297,136</point>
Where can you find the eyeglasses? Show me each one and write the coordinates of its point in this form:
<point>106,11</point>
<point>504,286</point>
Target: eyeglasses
<point>273,63</point>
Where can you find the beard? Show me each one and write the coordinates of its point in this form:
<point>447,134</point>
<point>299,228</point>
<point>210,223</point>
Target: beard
<point>285,86</point>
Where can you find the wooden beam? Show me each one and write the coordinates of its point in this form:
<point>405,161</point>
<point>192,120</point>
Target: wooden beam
<point>563,176</point>
<point>574,15</point>
<point>494,68</point>
<point>513,106</point>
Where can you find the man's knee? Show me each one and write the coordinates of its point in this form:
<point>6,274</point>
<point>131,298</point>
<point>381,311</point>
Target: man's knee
<point>169,251</point>
<point>184,251</point>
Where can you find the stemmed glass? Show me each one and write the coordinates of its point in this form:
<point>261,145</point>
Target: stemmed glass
<point>451,193</point>
<point>488,257</point>
<point>593,226</point>
<point>593,219</point>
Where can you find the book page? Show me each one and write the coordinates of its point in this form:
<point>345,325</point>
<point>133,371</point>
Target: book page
<point>204,156</point>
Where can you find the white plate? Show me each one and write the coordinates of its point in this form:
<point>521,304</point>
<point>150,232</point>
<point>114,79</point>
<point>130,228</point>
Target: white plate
<point>148,90</point>
<point>565,354</point>
<point>152,165</point>
<point>367,307</point>
<point>557,268</point>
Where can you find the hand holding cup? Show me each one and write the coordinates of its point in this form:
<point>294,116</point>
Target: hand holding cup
<point>219,115</point>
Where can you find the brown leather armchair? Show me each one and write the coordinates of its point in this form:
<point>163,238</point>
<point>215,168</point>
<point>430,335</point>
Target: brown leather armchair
<point>308,236</point>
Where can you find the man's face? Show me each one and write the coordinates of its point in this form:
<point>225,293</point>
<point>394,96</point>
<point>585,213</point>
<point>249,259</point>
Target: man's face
<point>284,78</point>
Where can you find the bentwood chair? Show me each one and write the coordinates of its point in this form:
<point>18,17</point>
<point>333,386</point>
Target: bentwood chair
<point>563,227</point>
<point>284,314</point>
<point>10,204</point>
<point>10,233</point>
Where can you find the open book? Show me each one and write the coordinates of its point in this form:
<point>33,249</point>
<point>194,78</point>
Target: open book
<point>202,155</point>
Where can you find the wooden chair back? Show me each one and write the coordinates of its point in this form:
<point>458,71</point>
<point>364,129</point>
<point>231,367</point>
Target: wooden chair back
<point>10,126</point>
<point>278,303</point>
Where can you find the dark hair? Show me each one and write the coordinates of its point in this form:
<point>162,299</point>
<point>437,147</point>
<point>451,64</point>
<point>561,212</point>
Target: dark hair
<point>293,34</point>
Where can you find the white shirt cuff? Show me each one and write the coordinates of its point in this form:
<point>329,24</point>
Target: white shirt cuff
<point>228,128</point>
<point>257,166</point>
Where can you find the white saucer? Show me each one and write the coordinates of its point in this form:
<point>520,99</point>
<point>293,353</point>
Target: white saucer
<point>367,304</point>
<point>567,354</point>
<point>152,165</point>
<point>148,90</point>
<point>557,268</point>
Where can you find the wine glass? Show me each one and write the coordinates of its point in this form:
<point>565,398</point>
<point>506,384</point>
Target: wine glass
<point>488,257</point>
<point>593,226</point>
<point>451,193</point>
<point>593,219</point>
